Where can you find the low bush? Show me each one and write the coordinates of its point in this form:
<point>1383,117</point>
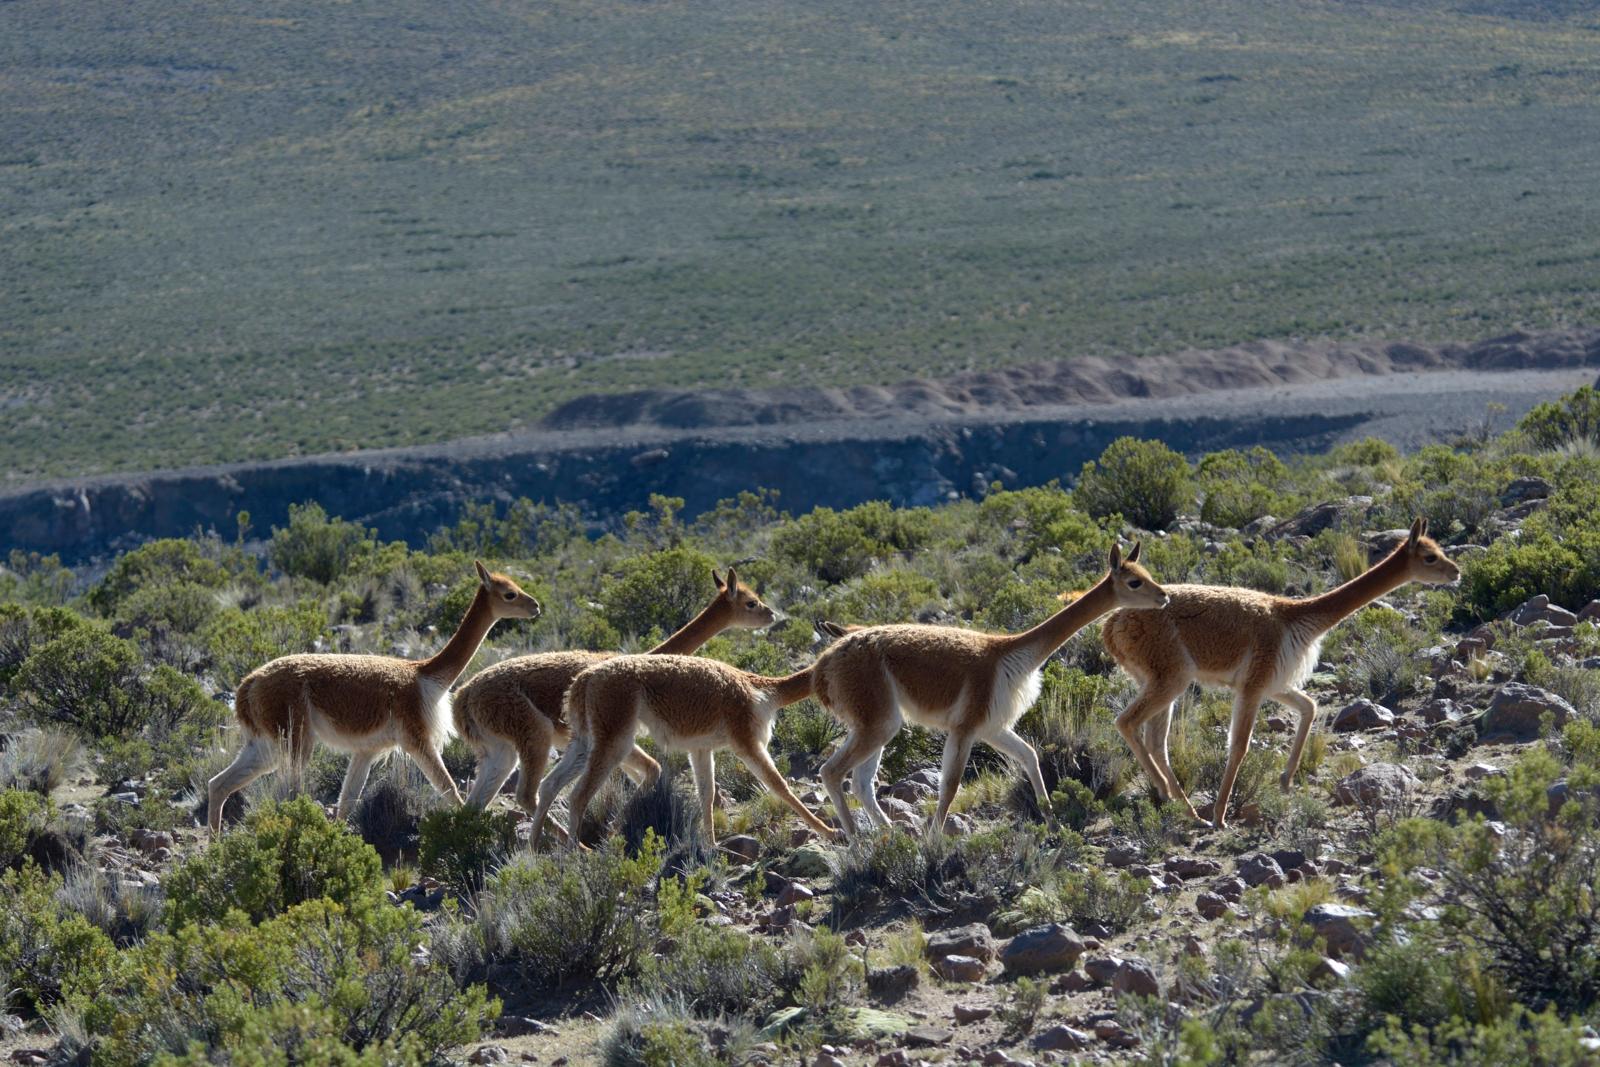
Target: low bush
<point>316,547</point>
<point>285,854</point>
<point>1145,482</point>
<point>48,952</point>
<point>658,592</point>
<point>458,846</point>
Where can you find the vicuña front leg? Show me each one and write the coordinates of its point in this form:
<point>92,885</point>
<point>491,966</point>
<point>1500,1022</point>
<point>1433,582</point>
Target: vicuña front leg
<point>1151,701</point>
<point>427,757</point>
<point>1299,701</point>
<point>1157,728</point>
<point>258,756</point>
<point>703,762</point>
<point>957,748</point>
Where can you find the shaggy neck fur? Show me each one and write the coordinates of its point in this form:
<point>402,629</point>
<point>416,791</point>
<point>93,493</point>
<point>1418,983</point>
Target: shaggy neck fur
<point>1041,642</point>
<point>712,620</point>
<point>446,665</point>
<point>1327,610</point>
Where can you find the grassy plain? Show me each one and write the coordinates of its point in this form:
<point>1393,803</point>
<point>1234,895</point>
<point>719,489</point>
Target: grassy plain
<point>231,233</point>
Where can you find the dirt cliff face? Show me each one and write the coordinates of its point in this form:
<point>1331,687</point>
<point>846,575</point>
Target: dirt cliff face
<point>916,444</point>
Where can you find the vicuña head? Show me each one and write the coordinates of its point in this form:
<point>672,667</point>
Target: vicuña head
<point>510,714</point>
<point>364,705</point>
<point>1263,647</point>
<point>972,686</point>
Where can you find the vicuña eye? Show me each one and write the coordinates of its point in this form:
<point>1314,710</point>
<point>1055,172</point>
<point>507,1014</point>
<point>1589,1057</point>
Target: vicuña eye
<point>511,596</point>
<point>751,604</point>
<point>1430,558</point>
<point>1134,583</point>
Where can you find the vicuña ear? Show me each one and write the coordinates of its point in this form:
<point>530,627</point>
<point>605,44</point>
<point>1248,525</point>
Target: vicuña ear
<point>483,572</point>
<point>1418,528</point>
<point>715,577</point>
<point>1115,559</point>
<point>1133,557</point>
<point>731,586</point>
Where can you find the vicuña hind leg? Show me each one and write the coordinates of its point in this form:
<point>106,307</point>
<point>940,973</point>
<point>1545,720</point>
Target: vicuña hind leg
<point>605,755</point>
<point>873,723</point>
<point>865,780</point>
<point>1246,703</point>
<point>1298,701</point>
<point>761,766</point>
<point>495,764</point>
<point>567,769</point>
<point>428,759</point>
<point>957,748</point>
<point>1156,730</point>
<point>355,780</point>
<point>258,756</point>
<point>703,762</point>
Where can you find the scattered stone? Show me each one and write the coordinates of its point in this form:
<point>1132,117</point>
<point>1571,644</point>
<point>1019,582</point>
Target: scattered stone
<point>30,1057</point>
<point>1440,709</point>
<point>1479,771</point>
<point>1072,982</point>
<point>1048,948</point>
<point>521,1026</point>
<point>827,1059</point>
<point>1313,520</point>
<point>152,840</point>
<point>892,983</point>
<point>996,1057</point>
<point>1522,490</point>
<point>893,1058</point>
<point>901,811</point>
<point>1337,925</point>
<point>1187,867</point>
<point>924,1036</point>
<point>794,893</point>
<point>1517,709</point>
<point>1377,784</point>
<point>1062,1038</point>
<point>1111,1032</point>
<point>1120,856</point>
<point>1136,977</point>
<point>808,861</point>
<point>1101,968</point>
<point>1261,869</point>
<point>971,1013</point>
<point>1363,714</point>
<point>744,846</point>
<point>958,968</point>
<point>1330,971</point>
<point>972,940</point>
<point>1539,609</point>
<point>1289,858</point>
<point>1590,612</point>
<point>1230,888</point>
<point>489,1054</point>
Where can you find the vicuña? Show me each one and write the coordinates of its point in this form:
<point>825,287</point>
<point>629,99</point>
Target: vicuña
<point>972,686</point>
<point>511,712</point>
<point>364,705</point>
<point>688,704</point>
<point>1260,646</point>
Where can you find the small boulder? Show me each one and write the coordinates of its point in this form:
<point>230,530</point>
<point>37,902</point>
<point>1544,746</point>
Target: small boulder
<point>1337,925</point>
<point>1376,785</point>
<point>892,983</point>
<point>489,1054</point>
<point>924,1036</point>
<point>971,940</point>
<point>1522,490</point>
<point>1362,714</point>
<point>1260,869</point>
<point>1062,1038</point>
<point>808,861</point>
<point>794,893</point>
<point>970,1013</point>
<point>1187,867</point>
<point>958,968</point>
<point>1517,709</point>
<point>1440,709</point>
<point>1042,949</point>
<point>1136,977</point>
<point>744,846</point>
<point>1539,609</point>
<point>1211,906</point>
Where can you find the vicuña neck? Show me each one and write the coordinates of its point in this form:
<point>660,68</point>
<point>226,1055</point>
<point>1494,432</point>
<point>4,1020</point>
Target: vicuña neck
<point>788,689</point>
<point>447,664</point>
<point>1329,609</point>
<point>696,632</point>
<point>1043,640</point>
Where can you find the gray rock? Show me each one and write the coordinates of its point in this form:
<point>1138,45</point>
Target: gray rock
<point>744,846</point>
<point>809,861</point>
<point>1187,867</point>
<point>972,940</point>
<point>1260,869</point>
<point>1042,949</point>
<point>1362,714</point>
<point>1339,926</point>
<point>1539,609</point>
<point>1378,784</point>
<point>892,983</point>
<point>1062,1038</point>
<point>1440,709</point>
<point>958,968</point>
<point>970,1013</point>
<point>1517,709</point>
<point>1211,906</point>
<point>1521,490</point>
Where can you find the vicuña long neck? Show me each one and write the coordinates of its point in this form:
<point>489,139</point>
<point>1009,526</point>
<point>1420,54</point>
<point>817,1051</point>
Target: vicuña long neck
<point>1327,610</point>
<point>696,632</point>
<point>1042,641</point>
<point>788,689</point>
<point>446,665</point>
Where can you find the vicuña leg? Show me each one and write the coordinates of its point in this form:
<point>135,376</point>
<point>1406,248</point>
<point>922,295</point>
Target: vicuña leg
<point>1154,695</point>
<point>761,766</point>
<point>703,762</point>
<point>865,780</point>
<point>1157,729</point>
<point>641,768</point>
<point>258,756</point>
<point>355,780</point>
<point>1246,702</point>
<point>495,764</point>
<point>1299,701</point>
<point>859,748</point>
<point>957,747</point>
<point>605,755</point>
<point>567,769</point>
<point>432,764</point>
<point>1015,748</point>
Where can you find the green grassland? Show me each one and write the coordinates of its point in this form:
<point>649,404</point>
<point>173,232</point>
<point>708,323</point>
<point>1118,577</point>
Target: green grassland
<point>239,232</point>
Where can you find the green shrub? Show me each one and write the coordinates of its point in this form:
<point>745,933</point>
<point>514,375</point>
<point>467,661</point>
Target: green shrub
<point>658,591</point>
<point>1041,519</point>
<point>572,920</point>
<point>1237,487</point>
<point>1145,482</point>
<point>1564,565</point>
<point>837,546</point>
<point>1022,1009</point>
<point>23,816</point>
<point>316,980</point>
<point>660,1034</point>
<point>459,845</point>
<point>895,869</point>
<point>317,547</point>
<point>1522,1037</point>
<point>710,970</point>
<point>1573,418</point>
<point>48,953</point>
<point>240,641</point>
<point>284,854</point>
<point>157,565</point>
<point>1113,900</point>
<point>99,686</point>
